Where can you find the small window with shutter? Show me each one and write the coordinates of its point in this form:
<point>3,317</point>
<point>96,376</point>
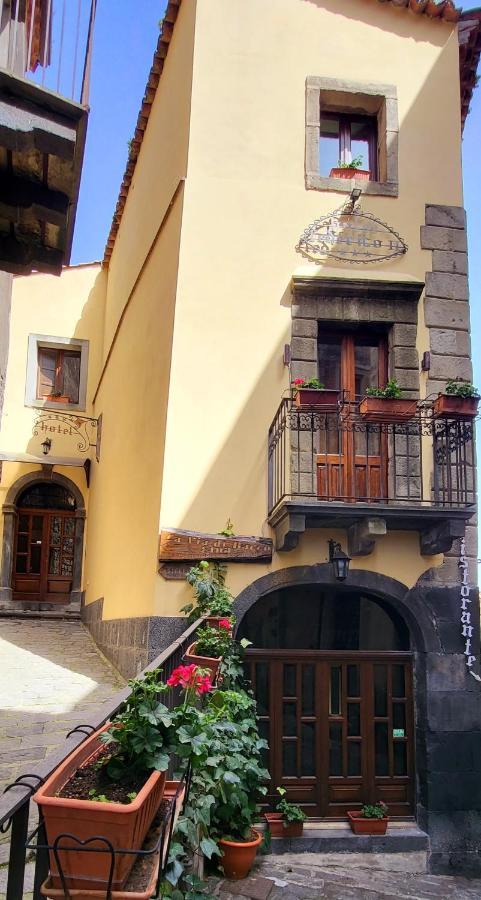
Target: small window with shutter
<point>56,371</point>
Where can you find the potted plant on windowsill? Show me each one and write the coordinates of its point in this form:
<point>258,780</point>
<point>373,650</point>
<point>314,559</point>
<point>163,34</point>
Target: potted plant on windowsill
<point>57,397</point>
<point>311,392</point>
<point>460,400</point>
<point>350,170</point>
<point>386,405</point>
<point>288,820</point>
<point>372,818</point>
<point>111,785</point>
<point>210,646</point>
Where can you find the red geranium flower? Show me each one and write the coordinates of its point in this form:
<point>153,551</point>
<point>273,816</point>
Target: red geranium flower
<point>190,678</point>
<point>225,623</point>
<point>299,381</point>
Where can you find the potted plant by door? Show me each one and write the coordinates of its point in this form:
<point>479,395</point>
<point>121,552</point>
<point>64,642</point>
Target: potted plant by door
<point>110,786</point>
<point>459,401</point>
<point>350,170</point>
<point>386,405</point>
<point>209,647</point>
<point>288,820</point>
<point>311,392</point>
<point>372,818</point>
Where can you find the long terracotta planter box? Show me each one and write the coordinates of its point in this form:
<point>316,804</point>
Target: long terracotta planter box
<point>387,411</point>
<point>278,829</point>
<point>346,173</point>
<point>123,824</point>
<point>153,861</point>
<point>452,407</point>
<point>211,663</point>
<point>326,400</point>
<point>361,825</point>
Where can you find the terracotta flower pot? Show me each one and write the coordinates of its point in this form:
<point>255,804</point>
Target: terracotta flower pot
<point>361,825</point>
<point>452,407</point>
<point>277,827</point>
<point>327,400</point>
<point>213,621</point>
<point>123,824</point>
<point>387,410</point>
<point>61,399</point>
<point>238,856</point>
<point>349,174</point>
<point>211,663</point>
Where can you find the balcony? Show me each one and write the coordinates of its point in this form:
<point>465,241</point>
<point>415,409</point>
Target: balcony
<point>333,469</point>
<point>45,54</point>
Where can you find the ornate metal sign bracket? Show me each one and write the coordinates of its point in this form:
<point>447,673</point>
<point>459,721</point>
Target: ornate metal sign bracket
<point>351,235</point>
<point>83,428</point>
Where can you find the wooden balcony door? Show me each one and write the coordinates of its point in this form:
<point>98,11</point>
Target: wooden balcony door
<point>352,458</point>
<point>340,728</point>
<point>43,555</point>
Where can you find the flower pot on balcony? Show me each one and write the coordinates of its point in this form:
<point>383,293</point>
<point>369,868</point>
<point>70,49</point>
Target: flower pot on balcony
<point>362,825</point>
<point>238,856</point>
<point>452,407</point>
<point>347,173</point>
<point>387,410</point>
<point>325,400</point>
<point>57,398</point>
<point>123,824</point>
<point>278,828</point>
<point>211,663</point>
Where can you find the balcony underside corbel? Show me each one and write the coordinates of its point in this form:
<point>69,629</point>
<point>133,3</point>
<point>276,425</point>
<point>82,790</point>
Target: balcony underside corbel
<point>362,536</point>
<point>439,538</point>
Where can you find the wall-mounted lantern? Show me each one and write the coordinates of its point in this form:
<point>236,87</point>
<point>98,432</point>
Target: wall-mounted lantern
<point>46,445</point>
<point>339,560</point>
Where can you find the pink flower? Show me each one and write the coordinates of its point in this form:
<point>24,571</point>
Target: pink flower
<point>299,381</point>
<point>190,678</point>
<point>225,623</point>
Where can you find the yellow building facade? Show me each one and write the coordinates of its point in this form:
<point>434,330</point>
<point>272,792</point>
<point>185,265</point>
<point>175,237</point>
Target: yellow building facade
<point>246,253</point>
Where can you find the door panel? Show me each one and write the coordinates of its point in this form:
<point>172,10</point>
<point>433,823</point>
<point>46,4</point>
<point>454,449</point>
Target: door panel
<point>339,727</point>
<point>352,459</point>
<point>43,556</point>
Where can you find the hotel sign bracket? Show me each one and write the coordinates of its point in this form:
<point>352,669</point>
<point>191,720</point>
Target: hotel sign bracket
<point>63,424</point>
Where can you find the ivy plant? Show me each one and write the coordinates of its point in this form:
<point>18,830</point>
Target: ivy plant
<point>374,810</point>
<point>210,593</point>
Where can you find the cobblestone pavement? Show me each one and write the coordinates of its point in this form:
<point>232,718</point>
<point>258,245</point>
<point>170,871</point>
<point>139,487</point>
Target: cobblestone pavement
<point>52,678</point>
<point>296,877</point>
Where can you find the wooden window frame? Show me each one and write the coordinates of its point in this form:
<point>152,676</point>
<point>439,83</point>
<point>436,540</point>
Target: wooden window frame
<point>59,371</point>
<point>345,120</point>
<point>61,345</point>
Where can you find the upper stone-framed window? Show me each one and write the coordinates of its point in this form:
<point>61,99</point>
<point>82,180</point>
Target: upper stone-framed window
<point>345,119</point>
<point>56,372</point>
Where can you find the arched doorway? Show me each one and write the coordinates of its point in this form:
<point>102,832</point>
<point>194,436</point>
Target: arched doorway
<point>332,672</point>
<point>37,565</point>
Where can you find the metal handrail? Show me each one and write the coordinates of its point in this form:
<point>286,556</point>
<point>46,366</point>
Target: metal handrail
<point>15,802</point>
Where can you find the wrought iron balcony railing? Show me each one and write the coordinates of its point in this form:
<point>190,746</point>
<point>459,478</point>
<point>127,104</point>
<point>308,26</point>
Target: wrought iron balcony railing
<point>50,43</point>
<point>338,456</point>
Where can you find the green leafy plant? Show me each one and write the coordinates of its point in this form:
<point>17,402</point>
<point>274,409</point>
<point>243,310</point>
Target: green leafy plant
<point>374,810</point>
<point>309,383</point>
<point>141,735</point>
<point>356,163</point>
<point>99,798</point>
<point>213,642</point>
<point>210,593</point>
<point>290,811</point>
<point>458,388</point>
<point>392,391</point>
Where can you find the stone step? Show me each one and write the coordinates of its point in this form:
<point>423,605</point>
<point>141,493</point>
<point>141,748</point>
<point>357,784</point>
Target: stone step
<point>404,847</point>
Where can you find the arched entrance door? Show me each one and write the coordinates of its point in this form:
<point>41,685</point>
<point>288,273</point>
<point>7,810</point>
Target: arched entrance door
<point>332,674</point>
<point>44,545</point>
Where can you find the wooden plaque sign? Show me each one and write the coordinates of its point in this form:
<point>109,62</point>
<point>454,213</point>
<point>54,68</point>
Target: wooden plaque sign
<point>177,545</point>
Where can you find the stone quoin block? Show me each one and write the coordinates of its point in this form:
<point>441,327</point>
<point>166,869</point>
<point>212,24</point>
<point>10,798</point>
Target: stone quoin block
<point>447,286</point>
<point>303,369</point>
<point>403,335</point>
<point>446,313</point>
<point>304,328</point>
<point>304,348</point>
<point>449,367</point>
<point>405,358</point>
<point>448,261</point>
<point>434,238</point>
<point>451,343</point>
<point>445,216</point>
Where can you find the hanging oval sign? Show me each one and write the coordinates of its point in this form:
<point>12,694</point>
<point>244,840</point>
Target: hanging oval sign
<point>351,235</point>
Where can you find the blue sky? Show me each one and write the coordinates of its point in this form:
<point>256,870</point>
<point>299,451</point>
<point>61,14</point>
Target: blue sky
<point>123,50</point>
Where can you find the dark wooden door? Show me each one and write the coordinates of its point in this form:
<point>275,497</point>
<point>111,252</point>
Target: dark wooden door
<point>352,459</point>
<point>43,555</point>
<point>339,727</point>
